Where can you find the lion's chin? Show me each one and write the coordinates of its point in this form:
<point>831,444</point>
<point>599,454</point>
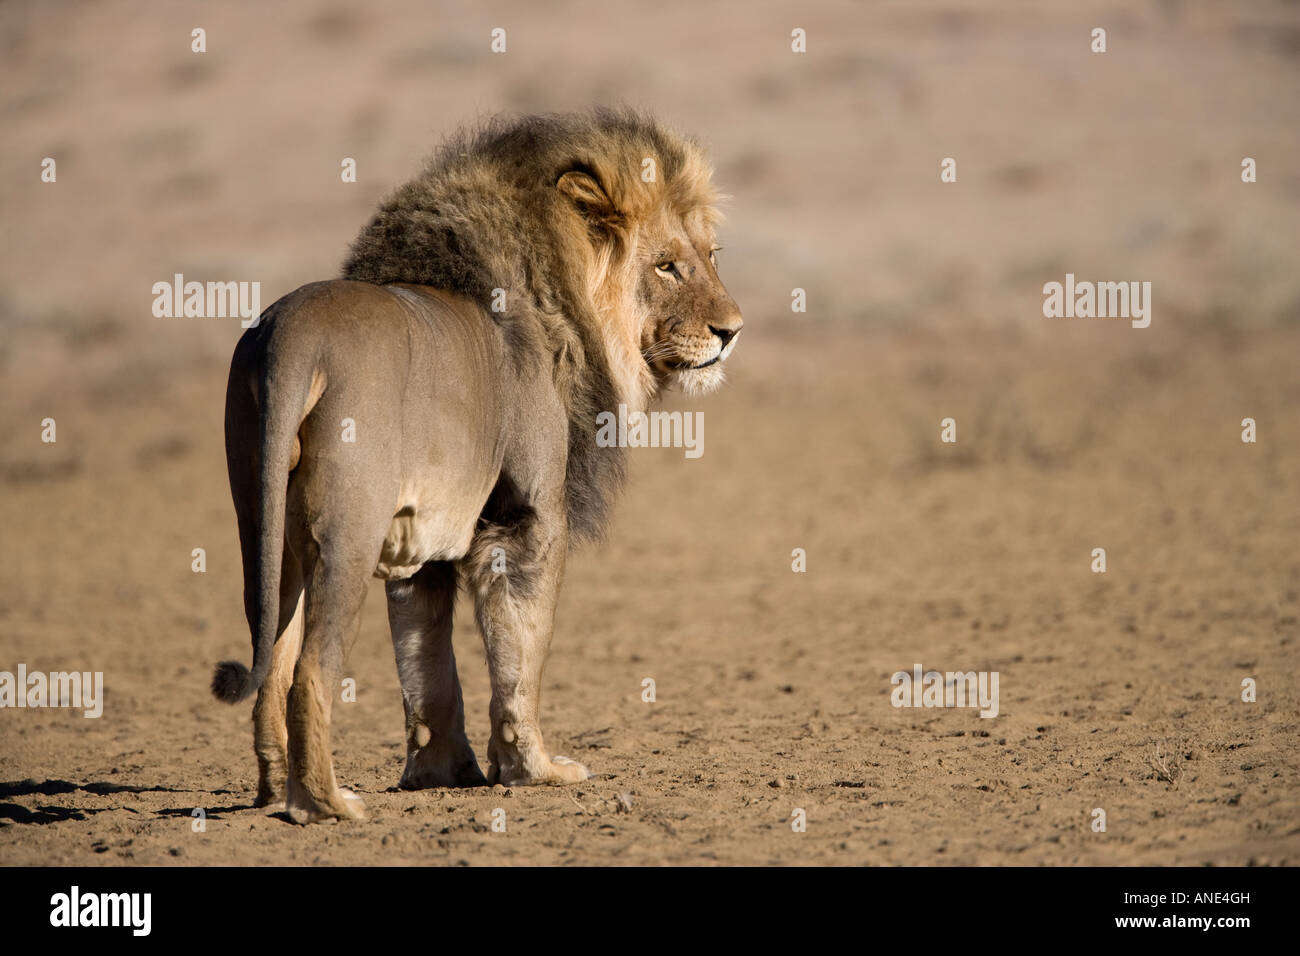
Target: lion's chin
<point>697,381</point>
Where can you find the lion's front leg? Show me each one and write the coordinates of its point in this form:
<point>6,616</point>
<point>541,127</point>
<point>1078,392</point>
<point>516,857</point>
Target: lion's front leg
<point>516,579</point>
<point>438,753</point>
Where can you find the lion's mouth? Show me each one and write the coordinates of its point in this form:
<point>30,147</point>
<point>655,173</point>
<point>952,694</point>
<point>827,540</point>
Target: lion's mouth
<point>680,365</point>
<point>688,367</point>
<point>722,356</point>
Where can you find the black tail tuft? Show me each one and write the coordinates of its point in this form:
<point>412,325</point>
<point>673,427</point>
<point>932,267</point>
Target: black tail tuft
<point>232,682</point>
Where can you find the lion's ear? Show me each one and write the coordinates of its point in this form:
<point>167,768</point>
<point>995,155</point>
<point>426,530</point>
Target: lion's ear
<point>588,195</point>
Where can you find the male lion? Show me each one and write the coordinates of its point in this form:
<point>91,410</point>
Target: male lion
<point>433,413</point>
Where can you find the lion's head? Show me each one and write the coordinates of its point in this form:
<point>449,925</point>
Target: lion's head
<point>691,322</point>
<point>662,296</point>
<point>648,209</point>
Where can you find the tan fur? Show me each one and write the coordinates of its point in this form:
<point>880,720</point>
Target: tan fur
<point>474,453</point>
<point>313,396</point>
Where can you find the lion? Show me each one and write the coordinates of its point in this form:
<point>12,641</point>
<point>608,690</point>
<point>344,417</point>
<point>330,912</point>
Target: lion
<point>430,417</point>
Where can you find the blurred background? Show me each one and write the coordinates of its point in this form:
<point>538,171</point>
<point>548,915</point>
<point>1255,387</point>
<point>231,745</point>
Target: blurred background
<point>1116,165</point>
<point>924,302</point>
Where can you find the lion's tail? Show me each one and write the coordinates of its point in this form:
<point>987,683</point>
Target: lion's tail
<point>232,682</point>
<point>281,416</point>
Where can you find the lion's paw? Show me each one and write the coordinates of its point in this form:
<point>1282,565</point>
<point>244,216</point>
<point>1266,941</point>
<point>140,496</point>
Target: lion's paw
<point>303,808</point>
<point>271,800</point>
<point>556,771</point>
<point>449,767</point>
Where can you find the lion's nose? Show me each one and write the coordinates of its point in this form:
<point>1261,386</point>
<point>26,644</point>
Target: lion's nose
<point>727,328</point>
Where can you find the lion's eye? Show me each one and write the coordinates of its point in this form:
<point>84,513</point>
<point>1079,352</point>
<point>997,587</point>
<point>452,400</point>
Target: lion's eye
<point>713,256</point>
<point>666,268</point>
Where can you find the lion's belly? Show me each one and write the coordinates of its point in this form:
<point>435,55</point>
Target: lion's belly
<point>426,527</point>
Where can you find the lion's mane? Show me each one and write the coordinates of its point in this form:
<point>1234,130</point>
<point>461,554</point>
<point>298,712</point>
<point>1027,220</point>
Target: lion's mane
<point>485,215</point>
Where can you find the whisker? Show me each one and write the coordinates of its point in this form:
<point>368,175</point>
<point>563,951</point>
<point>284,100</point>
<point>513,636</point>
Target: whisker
<point>657,351</point>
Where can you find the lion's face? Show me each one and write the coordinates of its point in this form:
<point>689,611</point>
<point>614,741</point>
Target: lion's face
<point>692,323</point>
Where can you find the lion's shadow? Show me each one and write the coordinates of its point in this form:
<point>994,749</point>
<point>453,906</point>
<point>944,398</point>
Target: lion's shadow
<point>45,814</point>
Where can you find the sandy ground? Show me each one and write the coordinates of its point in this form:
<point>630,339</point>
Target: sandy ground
<point>773,687</point>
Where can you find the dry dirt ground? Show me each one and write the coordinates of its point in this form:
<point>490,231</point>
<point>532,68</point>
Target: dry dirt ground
<point>1119,691</point>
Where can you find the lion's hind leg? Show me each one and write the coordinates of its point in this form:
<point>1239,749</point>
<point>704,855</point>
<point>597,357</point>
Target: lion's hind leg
<point>312,794</point>
<point>270,732</point>
<point>438,753</point>
<point>336,575</point>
